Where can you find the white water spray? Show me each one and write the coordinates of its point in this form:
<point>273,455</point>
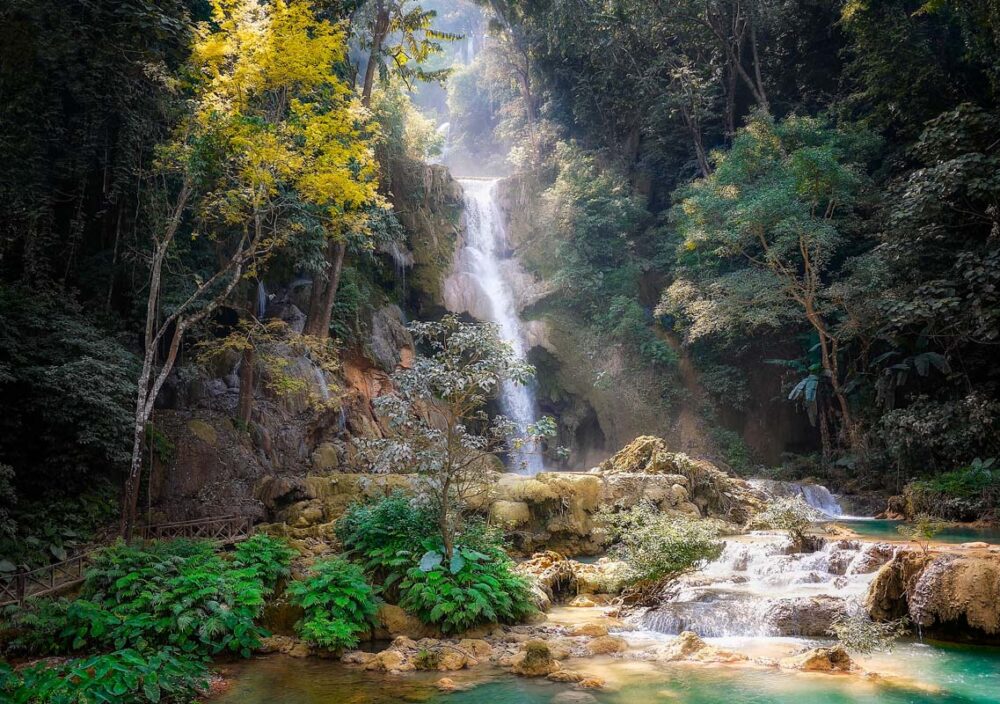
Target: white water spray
<point>480,264</point>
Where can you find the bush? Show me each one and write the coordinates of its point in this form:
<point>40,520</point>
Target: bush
<point>969,493</point>
<point>124,677</point>
<point>476,586</point>
<point>788,513</point>
<point>266,556</point>
<point>921,530</point>
<point>178,594</point>
<point>339,604</point>
<point>862,635</point>
<point>656,547</point>
<point>382,537</point>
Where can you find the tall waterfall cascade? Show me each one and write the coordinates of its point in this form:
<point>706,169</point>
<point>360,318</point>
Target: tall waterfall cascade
<point>478,285</point>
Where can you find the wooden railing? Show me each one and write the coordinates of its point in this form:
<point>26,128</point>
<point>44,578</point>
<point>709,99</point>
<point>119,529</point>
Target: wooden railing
<point>226,529</point>
<point>18,586</point>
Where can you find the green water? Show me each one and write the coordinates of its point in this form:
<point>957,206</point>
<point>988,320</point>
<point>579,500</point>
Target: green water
<point>935,674</point>
<point>879,528</point>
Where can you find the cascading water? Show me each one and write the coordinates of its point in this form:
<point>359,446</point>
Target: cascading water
<point>816,495</point>
<point>479,266</point>
<point>760,587</point>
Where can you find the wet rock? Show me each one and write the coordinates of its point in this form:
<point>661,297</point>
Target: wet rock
<point>592,683</point>
<point>605,645</point>
<point>535,660</point>
<point>357,657</point>
<point>476,647</point>
<point>592,630</point>
<point>689,646</point>
<point>453,659</point>
<point>565,676</point>
<point>833,659</point>
<point>446,684</point>
<point>806,616</point>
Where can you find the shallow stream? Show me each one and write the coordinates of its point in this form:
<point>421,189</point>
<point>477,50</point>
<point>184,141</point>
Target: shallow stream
<point>927,674</point>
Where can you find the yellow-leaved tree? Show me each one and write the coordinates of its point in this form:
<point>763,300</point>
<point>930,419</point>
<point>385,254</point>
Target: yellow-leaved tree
<point>269,142</point>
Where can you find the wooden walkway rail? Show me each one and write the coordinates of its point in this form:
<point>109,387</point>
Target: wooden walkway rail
<point>17,586</point>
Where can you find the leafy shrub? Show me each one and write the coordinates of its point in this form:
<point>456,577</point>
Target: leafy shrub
<point>788,513</point>
<point>178,594</point>
<point>476,585</point>
<point>862,635</point>
<point>123,676</point>
<point>339,604</point>
<point>52,529</point>
<point>382,536</point>
<point>656,547</point>
<point>964,494</point>
<point>921,530</point>
<point>268,557</point>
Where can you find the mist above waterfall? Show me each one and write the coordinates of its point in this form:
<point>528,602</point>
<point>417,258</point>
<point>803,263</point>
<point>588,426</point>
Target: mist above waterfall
<point>479,285</point>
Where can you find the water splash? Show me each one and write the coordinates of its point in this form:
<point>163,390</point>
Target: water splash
<point>481,261</point>
<point>759,587</point>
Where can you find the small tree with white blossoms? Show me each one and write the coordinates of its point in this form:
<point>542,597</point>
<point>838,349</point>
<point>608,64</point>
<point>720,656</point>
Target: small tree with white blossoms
<point>438,422</point>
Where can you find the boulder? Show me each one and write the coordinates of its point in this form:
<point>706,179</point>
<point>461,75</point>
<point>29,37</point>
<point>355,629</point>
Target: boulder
<point>565,676</point>
<point>397,622</point>
<point>591,630</point>
<point>688,646</point>
<point>534,660</point>
<point>833,659</point>
<point>446,684</point>
<point>510,514</point>
<point>806,616</point>
<point>605,645</point>
<point>476,648</point>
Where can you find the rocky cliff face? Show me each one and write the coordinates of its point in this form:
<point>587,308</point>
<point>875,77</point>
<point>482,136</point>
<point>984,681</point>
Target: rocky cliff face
<point>207,463</point>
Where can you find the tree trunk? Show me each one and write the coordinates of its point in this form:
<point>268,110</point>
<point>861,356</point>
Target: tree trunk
<point>323,294</point>
<point>379,31</point>
<point>245,407</point>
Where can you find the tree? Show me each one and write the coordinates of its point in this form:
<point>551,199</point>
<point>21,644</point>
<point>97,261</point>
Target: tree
<point>438,423</point>
<point>268,136</point>
<point>766,232</point>
<point>414,41</point>
<point>656,548</point>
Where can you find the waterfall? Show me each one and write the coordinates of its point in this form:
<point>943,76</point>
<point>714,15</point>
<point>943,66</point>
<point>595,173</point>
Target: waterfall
<point>480,261</point>
<point>324,390</point>
<point>261,300</point>
<point>759,587</point>
<point>816,495</point>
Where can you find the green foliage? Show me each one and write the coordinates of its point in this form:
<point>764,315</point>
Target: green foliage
<point>921,530</point>
<point>464,366</point>
<point>657,548</point>
<point>382,537</point>
<point>861,635</point>
<point>338,603</point>
<point>267,557</point>
<point>788,513</point>
<point>475,586</point>
<point>179,594</point>
<point>69,391</point>
<point>51,529</point>
<point>124,676</point>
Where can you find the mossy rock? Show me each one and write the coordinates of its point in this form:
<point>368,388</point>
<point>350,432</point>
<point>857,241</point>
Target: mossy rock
<point>204,432</point>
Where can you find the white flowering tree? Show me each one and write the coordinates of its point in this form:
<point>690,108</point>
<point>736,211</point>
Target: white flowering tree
<point>439,426</point>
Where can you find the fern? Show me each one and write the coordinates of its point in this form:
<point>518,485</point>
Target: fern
<point>338,604</point>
